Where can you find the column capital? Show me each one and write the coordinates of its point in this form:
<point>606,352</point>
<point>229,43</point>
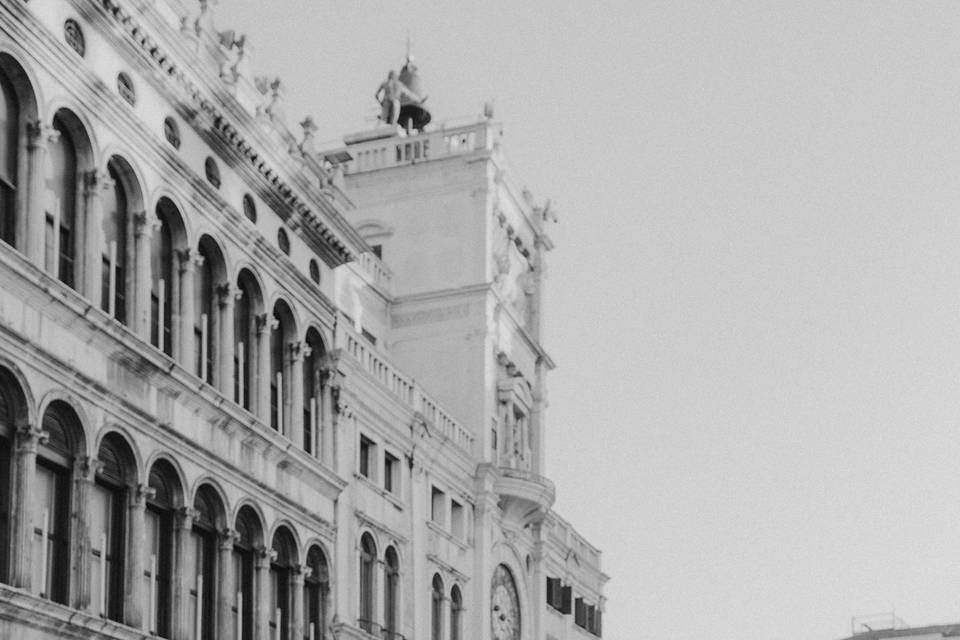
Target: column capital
<point>228,537</point>
<point>227,292</point>
<point>301,571</point>
<point>262,322</point>
<point>185,517</point>
<point>295,350</point>
<point>264,556</point>
<point>189,259</point>
<point>145,222</point>
<point>86,468</point>
<point>28,438</point>
<point>40,134</point>
<point>95,181</point>
<point>140,494</point>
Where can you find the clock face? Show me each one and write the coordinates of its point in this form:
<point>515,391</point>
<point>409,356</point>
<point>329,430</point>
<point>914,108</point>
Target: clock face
<point>504,606</point>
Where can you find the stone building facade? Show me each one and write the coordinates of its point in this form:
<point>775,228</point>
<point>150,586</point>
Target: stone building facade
<point>250,389</point>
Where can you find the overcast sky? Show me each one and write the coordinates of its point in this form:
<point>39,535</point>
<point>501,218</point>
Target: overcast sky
<point>754,300</point>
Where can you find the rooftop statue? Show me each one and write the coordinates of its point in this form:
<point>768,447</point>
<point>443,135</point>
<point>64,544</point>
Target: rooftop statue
<point>389,94</point>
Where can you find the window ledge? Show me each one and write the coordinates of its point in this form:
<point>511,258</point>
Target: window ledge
<point>436,528</point>
<point>387,495</point>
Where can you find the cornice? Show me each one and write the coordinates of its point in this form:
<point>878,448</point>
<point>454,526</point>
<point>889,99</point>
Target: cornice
<point>90,91</point>
<point>234,133</point>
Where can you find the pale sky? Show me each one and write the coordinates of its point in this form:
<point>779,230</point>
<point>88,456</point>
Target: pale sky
<point>754,300</point>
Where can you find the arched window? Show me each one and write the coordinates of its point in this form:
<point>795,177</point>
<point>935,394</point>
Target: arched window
<point>316,591</point>
<point>281,335</point>
<point>12,413</point>
<point>246,353</point>
<point>61,206</point>
<point>456,613</point>
<point>171,131</point>
<point>213,172</point>
<point>313,396</point>
<point>108,526</point>
<point>436,608</point>
<point>126,89</point>
<point>74,36</point>
<point>283,241</point>
<point>159,548</point>
<point>164,273</point>
<point>207,317</point>
<point>52,502</point>
<point>391,591</point>
<point>314,271</point>
<point>9,158</point>
<point>368,560</point>
<point>281,581</point>
<point>113,246</point>
<point>202,562</point>
<point>249,207</point>
<point>249,536</point>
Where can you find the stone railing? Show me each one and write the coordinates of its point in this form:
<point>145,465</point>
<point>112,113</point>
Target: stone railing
<point>403,387</point>
<point>377,273</point>
<point>417,147</point>
<point>566,537</point>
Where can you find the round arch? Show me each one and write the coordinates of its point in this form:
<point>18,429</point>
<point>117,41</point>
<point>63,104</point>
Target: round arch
<point>117,431</point>
<point>25,409</point>
<point>62,398</point>
<point>15,66</point>
<point>130,175</point>
<point>81,132</point>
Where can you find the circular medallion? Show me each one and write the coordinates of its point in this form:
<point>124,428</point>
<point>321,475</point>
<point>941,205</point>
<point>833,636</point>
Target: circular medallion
<point>504,606</point>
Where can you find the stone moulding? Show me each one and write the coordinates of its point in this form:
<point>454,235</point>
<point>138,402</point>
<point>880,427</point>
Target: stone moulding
<point>230,134</point>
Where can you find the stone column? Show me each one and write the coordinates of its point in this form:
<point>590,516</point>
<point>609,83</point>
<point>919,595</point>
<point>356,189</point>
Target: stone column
<point>27,441</point>
<point>293,383</point>
<point>183,623</point>
<point>297,614</point>
<point>330,392</point>
<point>144,226</point>
<point>262,610</point>
<point>509,435</point>
<point>85,470</point>
<point>261,398</point>
<point>538,583</point>
<point>30,225</point>
<point>189,260</point>
<point>226,342</point>
<point>88,249</point>
<point>379,580</point>
<point>133,591</point>
<point>227,597</point>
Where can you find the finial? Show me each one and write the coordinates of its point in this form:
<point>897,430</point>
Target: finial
<point>408,46</point>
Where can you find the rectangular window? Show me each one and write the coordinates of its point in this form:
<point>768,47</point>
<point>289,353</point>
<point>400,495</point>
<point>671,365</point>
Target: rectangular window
<point>391,473</point>
<point>456,519</point>
<point>437,506</point>
<point>554,593</point>
<point>566,598</point>
<point>580,613</point>
<point>366,457</point>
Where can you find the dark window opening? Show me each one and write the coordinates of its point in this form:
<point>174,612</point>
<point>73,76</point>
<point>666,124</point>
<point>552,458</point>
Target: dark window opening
<point>171,132</point>
<point>212,172</point>
<point>74,36</point>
